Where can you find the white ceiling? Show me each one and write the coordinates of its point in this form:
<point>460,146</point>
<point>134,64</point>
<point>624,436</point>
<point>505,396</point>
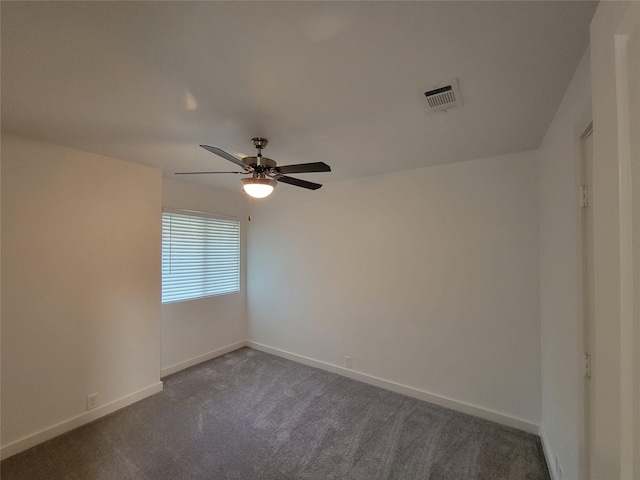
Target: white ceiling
<point>337,82</point>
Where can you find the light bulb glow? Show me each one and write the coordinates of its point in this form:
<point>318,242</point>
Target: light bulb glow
<point>258,187</point>
<point>257,190</point>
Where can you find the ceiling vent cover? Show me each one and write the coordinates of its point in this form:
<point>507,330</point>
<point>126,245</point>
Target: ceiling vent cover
<point>443,97</point>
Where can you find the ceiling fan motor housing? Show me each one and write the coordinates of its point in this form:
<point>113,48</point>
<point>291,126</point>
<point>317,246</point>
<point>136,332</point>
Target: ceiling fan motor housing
<point>260,164</point>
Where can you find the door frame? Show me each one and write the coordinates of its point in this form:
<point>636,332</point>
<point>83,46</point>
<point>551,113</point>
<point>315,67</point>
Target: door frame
<point>586,242</point>
<point>613,445</point>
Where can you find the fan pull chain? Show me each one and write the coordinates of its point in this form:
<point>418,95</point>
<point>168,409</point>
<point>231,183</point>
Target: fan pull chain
<point>249,213</point>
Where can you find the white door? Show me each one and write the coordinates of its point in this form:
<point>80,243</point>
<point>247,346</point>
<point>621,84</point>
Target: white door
<point>615,72</point>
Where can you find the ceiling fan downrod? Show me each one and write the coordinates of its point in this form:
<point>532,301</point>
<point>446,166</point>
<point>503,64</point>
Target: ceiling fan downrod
<point>259,143</point>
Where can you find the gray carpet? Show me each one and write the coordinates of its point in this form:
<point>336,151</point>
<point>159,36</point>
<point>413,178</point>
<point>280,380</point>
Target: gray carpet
<point>250,415</point>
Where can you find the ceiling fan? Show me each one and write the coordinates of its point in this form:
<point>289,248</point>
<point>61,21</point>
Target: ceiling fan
<point>265,174</point>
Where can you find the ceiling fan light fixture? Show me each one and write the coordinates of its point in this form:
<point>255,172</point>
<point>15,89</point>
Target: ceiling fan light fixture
<point>266,174</point>
<point>258,187</point>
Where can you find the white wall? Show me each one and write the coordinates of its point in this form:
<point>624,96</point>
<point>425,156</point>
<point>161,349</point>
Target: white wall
<point>80,285</point>
<point>199,329</point>
<point>428,278</point>
<point>561,297</point>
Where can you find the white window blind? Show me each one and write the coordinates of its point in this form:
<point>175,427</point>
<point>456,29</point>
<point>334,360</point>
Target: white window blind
<point>200,256</point>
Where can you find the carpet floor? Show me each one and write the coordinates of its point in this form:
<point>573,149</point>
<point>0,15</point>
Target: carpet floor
<point>249,415</point>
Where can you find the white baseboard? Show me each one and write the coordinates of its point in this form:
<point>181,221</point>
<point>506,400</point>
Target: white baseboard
<point>547,452</point>
<point>476,411</point>
<point>201,358</point>
<point>77,421</point>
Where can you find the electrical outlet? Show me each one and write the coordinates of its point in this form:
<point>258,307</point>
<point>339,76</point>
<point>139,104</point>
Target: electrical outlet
<point>347,362</point>
<point>92,401</point>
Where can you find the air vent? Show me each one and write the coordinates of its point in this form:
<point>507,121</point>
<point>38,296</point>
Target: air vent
<point>442,97</point>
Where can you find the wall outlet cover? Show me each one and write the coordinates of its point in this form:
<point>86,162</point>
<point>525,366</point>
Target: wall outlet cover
<point>347,362</point>
<point>92,401</point>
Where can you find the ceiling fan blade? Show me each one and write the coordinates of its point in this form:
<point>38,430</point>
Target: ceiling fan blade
<point>298,183</point>
<point>304,168</point>
<point>204,173</point>
<point>225,155</point>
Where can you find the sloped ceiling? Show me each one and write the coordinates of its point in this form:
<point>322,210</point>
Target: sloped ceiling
<point>337,82</point>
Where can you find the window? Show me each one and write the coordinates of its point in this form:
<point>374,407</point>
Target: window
<point>200,255</point>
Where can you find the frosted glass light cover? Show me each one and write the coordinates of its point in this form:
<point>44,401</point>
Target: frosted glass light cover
<point>258,190</point>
